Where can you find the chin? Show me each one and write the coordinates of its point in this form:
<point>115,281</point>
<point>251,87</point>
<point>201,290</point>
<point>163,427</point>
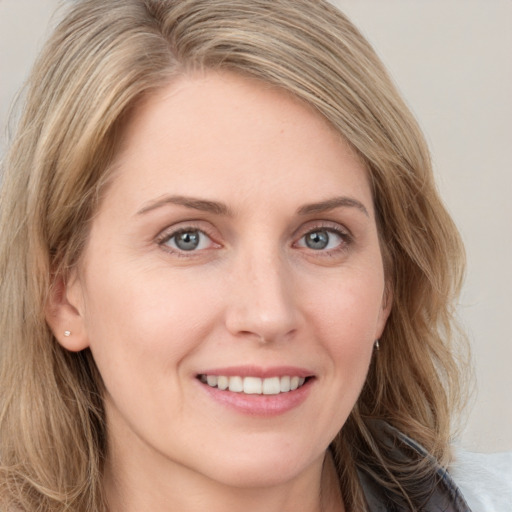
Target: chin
<point>263,468</point>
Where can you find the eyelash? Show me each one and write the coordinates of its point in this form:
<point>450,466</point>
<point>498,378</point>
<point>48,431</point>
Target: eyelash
<point>171,233</point>
<point>345,240</point>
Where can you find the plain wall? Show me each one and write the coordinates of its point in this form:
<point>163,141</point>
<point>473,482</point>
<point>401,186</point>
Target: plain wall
<point>452,60</point>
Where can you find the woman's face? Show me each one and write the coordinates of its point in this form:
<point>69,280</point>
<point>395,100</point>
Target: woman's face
<point>236,246</point>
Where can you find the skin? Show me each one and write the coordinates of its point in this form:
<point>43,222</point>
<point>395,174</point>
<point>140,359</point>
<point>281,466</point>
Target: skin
<point>253,292</point>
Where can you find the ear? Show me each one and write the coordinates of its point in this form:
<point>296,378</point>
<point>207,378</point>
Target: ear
<point>387,303</point>
<point>64,314</point>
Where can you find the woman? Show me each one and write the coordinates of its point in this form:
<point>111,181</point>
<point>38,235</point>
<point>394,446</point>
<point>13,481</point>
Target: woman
<point>227,277</point>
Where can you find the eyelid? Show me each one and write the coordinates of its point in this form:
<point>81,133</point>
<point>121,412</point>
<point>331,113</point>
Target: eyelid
<point>343,232</point>
<point>199,225</point>
<point>327,225</point>
<point>169,232</point>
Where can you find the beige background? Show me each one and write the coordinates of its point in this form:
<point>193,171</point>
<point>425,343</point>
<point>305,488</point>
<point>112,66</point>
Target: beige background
<point>452,60</point>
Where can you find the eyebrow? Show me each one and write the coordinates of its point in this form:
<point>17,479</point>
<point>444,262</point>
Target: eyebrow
<point>189,202</point>
<point>217,208</point>
<point>331,204</point>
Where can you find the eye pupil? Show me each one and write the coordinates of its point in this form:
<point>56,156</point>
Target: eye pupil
<point>317,240</point>
<point>187,241</point>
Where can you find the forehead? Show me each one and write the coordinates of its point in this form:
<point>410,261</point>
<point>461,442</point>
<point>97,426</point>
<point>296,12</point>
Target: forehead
<point>214,131</point>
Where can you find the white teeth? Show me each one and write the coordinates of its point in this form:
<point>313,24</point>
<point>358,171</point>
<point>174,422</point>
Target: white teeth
<point>222,382</point>
<point>271,386</point>
<point>254,385</point>
<point>236,384</point>
<point>211,380</point>
<point>285,384</point>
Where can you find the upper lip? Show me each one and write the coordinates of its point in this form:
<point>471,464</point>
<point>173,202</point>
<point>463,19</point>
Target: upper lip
<point>258,371</point>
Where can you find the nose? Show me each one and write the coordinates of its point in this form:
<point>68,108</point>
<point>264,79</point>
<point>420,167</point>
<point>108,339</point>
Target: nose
<point>262,304</point>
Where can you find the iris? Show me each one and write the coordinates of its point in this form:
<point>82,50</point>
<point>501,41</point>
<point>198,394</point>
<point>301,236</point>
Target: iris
<point>317,240</point>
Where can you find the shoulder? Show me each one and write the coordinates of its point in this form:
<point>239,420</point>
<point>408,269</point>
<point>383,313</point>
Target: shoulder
<point>434,489</point>
<point>485,479</point>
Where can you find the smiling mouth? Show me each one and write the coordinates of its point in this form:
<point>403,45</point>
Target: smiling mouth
<point>254,385</point>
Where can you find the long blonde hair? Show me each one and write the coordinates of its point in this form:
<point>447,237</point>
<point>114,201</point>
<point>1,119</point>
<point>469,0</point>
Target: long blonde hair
<point>101,59</point>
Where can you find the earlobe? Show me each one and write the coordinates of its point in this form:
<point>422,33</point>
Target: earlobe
<point>64,315</point>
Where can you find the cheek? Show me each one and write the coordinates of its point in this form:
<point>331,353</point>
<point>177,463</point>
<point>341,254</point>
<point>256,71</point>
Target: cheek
<point>345,315</point>
<point>147,319</point>
<point>349,308</point>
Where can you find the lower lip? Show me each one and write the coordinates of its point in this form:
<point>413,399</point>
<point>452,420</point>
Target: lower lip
<point>260,405</point>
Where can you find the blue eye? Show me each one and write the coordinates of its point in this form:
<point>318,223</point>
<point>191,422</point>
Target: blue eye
<point>321,239</point>
<point>188,240</point>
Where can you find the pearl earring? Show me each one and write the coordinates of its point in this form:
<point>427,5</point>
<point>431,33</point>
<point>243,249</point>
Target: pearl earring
<point>377,345</point>
<point>67,333</point>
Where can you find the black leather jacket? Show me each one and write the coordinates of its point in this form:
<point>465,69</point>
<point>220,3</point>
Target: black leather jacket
<point>445,496</point>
